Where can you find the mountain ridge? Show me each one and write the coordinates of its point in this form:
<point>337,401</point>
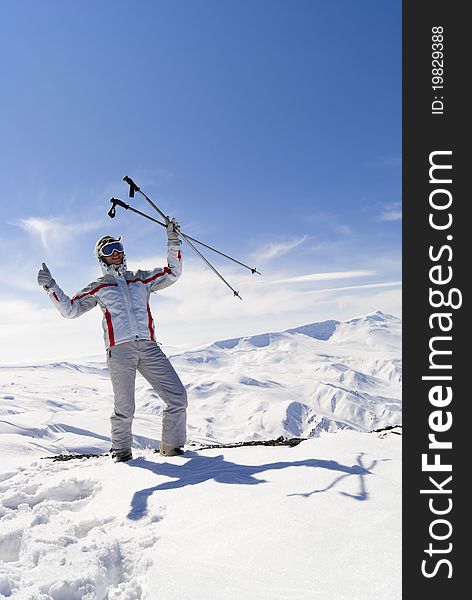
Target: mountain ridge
<point>321,330</point>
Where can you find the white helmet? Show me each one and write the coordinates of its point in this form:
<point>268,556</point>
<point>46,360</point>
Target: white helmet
<point>107,269</point>
<point>106,239</point>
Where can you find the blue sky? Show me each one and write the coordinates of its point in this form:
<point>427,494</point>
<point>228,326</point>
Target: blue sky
<point>270,129</point>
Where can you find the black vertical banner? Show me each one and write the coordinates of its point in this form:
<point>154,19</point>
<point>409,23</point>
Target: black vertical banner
<point>437,241</point>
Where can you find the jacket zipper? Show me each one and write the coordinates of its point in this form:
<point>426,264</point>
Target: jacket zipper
<point>132,319</point>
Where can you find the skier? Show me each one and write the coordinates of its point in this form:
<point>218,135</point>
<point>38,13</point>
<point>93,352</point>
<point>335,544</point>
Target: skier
<point>128,328</point>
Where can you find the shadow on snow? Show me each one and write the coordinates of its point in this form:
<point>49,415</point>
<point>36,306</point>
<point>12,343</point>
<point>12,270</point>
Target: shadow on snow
<point>205,468</point>
<point>360,469</point>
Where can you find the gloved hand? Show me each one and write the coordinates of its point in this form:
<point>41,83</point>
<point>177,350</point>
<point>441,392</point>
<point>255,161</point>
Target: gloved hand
<point>173,230</point>
<point>44,277</point>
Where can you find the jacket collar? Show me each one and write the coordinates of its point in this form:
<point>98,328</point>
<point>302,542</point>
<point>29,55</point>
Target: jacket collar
<point>114,270</point>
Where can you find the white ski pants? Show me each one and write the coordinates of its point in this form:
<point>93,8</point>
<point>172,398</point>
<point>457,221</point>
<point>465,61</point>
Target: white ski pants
<point>123,361</point>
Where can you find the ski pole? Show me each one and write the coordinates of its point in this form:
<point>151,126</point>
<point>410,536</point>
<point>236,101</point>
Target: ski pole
<point>112,212</point>
<point>118,202</point>
<point>235,293</point>
<point>252,269</point>
<point>134,188</point>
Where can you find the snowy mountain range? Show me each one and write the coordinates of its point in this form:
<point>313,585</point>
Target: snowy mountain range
<point>317,377</point>
<point>319,520</point>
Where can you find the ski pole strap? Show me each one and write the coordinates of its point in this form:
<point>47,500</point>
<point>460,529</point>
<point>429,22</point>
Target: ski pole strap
<point>132,186</point>
<point>114,202</point>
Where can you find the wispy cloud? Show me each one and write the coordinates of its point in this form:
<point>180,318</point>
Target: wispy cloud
<point>326,276</point>
<point>356,287</point>
<point>391,212</point>
<point>275,250</point>
<point>391,215</point>
<point>53,232</point>
<point>361,304</point>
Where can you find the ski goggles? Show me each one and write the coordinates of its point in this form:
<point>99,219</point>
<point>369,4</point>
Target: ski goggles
<point>111,247</point>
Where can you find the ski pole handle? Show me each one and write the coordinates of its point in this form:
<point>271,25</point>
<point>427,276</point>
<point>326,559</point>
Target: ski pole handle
<point>132,186</point>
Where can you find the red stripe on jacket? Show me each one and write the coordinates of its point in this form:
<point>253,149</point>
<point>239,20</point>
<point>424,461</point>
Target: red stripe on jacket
<point>151,329</point>
<point>166,271</point>
<point>111,335</point>
<point>93,291</point>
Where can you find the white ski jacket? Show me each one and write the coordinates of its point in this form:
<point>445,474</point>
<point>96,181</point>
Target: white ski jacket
<point>123,297</point>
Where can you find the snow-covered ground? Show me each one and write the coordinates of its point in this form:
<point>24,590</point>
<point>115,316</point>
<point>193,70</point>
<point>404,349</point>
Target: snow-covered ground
<point>320,520</point>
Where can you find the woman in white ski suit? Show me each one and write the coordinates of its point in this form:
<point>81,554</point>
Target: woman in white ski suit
<point>129,334</point>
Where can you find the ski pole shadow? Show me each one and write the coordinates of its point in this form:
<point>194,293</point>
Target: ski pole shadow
<point>360,470</point>
<point>200,468</point>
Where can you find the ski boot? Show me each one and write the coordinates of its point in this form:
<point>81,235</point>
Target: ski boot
<point>121,454</point>
<point>166,450</point>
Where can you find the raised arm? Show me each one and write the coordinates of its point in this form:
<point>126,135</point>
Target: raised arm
<point>162,277</point>
<point>70,308</point>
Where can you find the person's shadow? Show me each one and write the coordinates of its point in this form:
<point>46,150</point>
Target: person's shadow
<point>202,468</point>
